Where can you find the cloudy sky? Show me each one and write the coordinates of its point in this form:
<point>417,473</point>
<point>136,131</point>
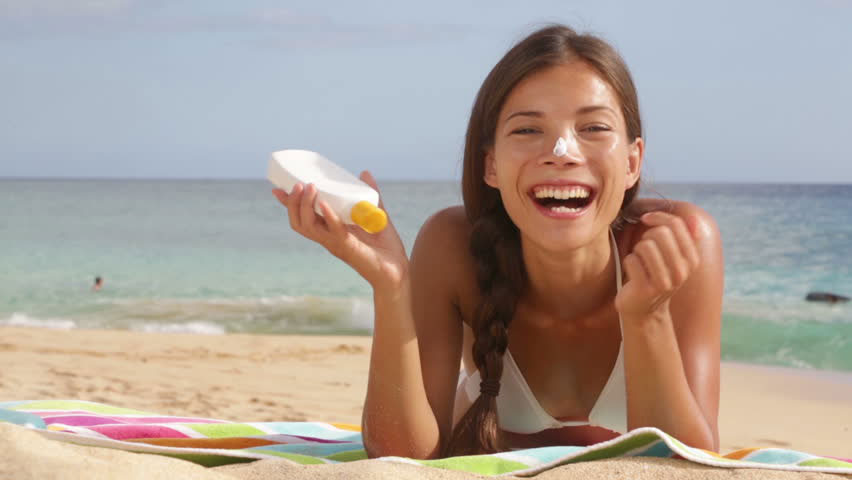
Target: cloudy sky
<point>733,91</point>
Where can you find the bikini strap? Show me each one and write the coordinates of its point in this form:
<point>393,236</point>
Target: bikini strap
<point>617,261</point>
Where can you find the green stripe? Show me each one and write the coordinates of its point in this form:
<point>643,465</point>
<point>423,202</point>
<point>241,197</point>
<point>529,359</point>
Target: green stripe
<point>301,459</point>
<point>349,456</point>
<point>619,449</point>
<point>224,430</point>
<point>74,405</point>
<point>825,462</point>
<point>208,460</point>
<point>684,448</point>
<point>481,464</point>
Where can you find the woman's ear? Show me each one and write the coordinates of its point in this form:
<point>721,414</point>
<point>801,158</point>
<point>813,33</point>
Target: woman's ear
<point>490,175</point>
<point>635,156</point>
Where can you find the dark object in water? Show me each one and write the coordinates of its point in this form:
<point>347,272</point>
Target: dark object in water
<point>826,297</point>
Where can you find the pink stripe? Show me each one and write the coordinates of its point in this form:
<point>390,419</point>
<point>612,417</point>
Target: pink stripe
<point>122,432</point>
<point>77,420</point>
<point>847,460</point>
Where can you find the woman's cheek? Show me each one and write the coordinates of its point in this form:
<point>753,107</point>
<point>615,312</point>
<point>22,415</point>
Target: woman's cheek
<point>600,148</point>
<point>526,146</point>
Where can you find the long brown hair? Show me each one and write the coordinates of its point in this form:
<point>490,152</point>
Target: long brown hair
<point>495,240</point>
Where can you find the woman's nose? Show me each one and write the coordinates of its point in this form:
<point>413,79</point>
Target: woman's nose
<point>565,151</point>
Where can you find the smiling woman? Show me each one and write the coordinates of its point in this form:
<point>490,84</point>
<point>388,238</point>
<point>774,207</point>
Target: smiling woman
<point>611,305</point>
<point>571,103</point>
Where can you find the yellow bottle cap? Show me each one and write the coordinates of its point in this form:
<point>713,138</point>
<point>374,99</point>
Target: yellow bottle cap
<point>369,217</point>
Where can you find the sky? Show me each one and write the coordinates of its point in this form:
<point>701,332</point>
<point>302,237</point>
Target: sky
<point>730,91</point>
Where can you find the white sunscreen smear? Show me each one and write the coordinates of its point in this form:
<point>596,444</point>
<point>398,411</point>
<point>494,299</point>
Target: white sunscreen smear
<point>355,202</point>
<point>561,148</point>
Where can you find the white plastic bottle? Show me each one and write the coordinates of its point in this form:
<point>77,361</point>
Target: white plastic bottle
<point>355,202</point>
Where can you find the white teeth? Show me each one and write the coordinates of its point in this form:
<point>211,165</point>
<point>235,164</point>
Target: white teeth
<point>565,210</point>
<point>562,193</point>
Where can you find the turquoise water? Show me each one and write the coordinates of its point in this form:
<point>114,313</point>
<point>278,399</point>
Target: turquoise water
<point>218,256</point>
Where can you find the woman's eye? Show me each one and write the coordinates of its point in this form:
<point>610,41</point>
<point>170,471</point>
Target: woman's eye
<point>525,131</point>
<point>597,128</point>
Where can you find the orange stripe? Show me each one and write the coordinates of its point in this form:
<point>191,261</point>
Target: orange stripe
<point>708,452</point>
<point>739,454</point>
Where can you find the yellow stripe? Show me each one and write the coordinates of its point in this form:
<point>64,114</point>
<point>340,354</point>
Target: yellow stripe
<point>346,426</point>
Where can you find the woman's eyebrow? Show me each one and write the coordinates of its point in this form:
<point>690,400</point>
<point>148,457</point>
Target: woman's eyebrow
<point>526,113</point>
<point>580,111</point>
<point>594,108</point>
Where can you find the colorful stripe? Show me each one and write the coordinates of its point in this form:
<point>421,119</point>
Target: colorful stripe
<point>213,442</point>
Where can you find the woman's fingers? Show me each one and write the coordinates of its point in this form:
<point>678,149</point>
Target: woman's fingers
<point>669,252</point>
<point>310,221</point>
<point>685,235</point>
<point>332,221</point>
<point>281,195</point>
<point>635,270</point>
<point>294,203</point>
<point>304,219</point>
<point>655,263</point>
<point>673,239</point>
<point>687,241</point>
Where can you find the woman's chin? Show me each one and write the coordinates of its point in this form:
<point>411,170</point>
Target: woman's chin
<point>562,239</point>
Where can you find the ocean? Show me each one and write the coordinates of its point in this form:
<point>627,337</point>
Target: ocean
<point>218,256</point>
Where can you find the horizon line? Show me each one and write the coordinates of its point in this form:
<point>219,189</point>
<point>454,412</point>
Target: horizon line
<point>419,180</point>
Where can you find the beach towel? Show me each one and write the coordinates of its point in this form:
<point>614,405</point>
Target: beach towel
<point>212,442</point>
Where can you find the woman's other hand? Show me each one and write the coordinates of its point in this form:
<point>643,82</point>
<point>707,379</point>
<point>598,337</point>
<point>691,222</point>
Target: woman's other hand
<point>661,261</point>
<point>380,257</point>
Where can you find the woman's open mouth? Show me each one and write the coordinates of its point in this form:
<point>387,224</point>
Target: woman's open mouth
<point>562,201</point>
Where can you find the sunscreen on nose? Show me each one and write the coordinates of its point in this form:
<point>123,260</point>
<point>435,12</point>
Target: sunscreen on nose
<point>561,147</point>
<point>355,202</point>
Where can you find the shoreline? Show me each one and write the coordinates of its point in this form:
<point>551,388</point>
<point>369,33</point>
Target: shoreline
<point>256,377</point>
<point>834,376</point>
<point>843,376</point>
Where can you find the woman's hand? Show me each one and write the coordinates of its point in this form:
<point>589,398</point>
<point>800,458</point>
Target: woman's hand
<point>380,257</point>
<point>662,260</point>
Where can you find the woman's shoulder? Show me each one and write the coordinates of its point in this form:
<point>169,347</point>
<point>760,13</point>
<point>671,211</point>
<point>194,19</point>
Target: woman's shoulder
<point>675,207</point>
<point>441,251</point>
<point>701,220</point>
<point>445,229</point>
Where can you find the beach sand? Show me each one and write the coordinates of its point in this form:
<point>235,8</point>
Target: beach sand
<point>323,378</point>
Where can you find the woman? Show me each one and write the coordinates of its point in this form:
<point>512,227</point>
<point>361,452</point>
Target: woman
<point>611,305</point>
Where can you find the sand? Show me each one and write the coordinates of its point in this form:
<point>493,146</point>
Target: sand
<point>323,378</point>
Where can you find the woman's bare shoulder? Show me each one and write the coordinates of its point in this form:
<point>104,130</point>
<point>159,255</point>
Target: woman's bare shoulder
<point>441,251</point>
<point>704,223</point>
<point>445,232</point>
<point>441,265</point>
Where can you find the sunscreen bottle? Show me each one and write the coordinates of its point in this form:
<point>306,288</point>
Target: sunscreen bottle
<point>355,202</point>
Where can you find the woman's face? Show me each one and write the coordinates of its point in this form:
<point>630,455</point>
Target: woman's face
<point>562,200</point>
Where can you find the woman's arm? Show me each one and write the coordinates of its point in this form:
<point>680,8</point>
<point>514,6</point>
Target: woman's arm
<point>672,347</point>
<point>416,353</point>
<point>397,417</point>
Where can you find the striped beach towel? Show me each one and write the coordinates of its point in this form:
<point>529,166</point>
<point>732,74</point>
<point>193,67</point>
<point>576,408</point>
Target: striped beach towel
<point>211,442</point>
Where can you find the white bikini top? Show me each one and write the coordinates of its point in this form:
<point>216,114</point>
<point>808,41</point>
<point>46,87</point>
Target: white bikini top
<point>518,410</point>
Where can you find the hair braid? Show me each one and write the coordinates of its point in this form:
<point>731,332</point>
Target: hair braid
<point>500,275</point>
